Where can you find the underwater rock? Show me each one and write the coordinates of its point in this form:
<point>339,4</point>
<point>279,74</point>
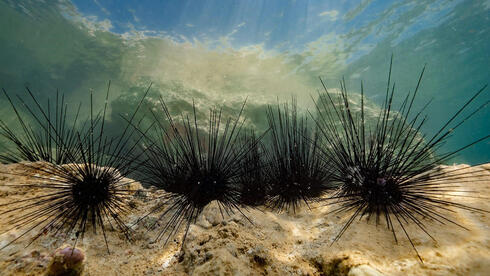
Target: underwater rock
<point>363,270</point>
<point>258,256</point>
<point>271,244</point>
<point>334,266</point>
<point>67,261</point>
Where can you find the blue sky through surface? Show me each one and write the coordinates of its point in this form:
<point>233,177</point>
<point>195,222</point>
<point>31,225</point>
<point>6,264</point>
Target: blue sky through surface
<point>277,24</point>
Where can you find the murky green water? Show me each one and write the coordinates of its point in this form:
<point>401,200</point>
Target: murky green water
<point>221,52</point>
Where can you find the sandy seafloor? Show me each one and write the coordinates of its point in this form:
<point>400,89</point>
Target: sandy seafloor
<point>275,244</point>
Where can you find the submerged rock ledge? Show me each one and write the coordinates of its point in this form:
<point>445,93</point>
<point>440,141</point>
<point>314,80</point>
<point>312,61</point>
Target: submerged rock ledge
<point>275,244</point>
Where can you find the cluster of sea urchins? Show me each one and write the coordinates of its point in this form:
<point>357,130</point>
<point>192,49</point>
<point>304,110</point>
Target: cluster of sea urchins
<point>383,168</point>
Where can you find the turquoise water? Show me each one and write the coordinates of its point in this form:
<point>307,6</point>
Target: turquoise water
<point>221,52</point>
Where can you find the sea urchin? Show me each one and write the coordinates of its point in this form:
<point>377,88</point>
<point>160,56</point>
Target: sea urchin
<point>385,168</point>
<point>90,191</point>
<point>194,167</point>
<point>295,170</point>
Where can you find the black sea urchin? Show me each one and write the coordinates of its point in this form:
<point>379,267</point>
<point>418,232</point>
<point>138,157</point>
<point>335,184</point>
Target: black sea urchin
<point>385,169</point>
<point>195,167</point>
<point>295,170</point>
<point>44,133</point>
<point>89,192</point>
<point>254,188</point>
